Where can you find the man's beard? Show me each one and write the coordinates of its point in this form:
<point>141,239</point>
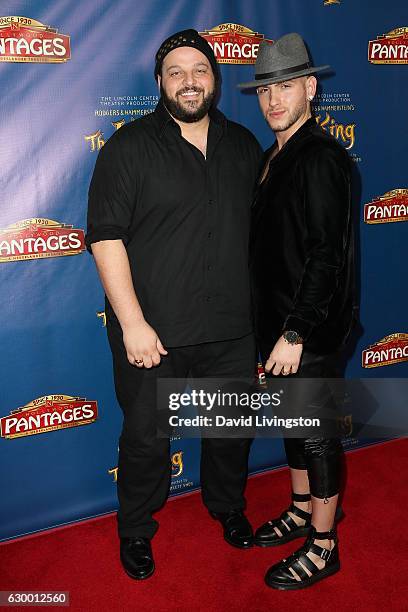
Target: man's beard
<point>184,113</point>
<point>287,123</point>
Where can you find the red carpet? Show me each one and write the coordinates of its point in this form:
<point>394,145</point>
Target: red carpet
<point>194,573</point>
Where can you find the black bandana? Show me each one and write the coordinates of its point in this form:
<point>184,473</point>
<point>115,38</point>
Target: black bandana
<point>186,38</point>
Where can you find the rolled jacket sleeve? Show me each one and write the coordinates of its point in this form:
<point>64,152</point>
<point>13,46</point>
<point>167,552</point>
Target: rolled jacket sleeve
<point>325,184</point>
<point>112,193</point>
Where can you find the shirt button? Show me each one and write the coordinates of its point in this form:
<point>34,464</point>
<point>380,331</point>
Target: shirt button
<point>209,267</point>
<point>208,298</point>
<point>211,202</point>
<point>209,234</point>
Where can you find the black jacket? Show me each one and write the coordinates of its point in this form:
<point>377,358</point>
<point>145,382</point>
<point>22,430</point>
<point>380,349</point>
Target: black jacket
<point>301,248</point>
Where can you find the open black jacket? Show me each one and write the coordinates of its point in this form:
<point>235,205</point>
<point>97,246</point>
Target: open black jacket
<point>301,247</point>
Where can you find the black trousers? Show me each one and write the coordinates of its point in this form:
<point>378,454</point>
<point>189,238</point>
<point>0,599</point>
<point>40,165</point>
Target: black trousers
<point>321,456</point>
<point>144,464</point>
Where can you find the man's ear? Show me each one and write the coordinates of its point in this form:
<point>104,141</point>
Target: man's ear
<point>158,81</point>
<point>311,86</point>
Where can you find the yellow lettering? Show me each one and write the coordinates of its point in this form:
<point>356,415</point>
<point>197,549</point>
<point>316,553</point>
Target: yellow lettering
<point>96,141</point>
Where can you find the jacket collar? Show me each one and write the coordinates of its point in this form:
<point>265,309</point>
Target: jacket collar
<point>304,129</point>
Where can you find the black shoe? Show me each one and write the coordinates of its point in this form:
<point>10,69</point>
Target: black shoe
<point>280,577</point>
<point>137,557</point>
<point>266,534</point>
<point>237,529</point>
<point>290,530</point>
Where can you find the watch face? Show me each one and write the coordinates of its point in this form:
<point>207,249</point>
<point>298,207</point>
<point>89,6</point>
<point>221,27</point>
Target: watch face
<point>291,337</point>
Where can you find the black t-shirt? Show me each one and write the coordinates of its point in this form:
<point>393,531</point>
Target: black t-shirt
<point>184,220</point>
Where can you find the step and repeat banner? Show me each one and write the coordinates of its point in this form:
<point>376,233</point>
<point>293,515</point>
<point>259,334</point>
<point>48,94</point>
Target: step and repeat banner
<point>71,74</point>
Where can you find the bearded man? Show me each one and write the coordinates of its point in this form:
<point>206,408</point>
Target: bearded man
<point>168,225</point>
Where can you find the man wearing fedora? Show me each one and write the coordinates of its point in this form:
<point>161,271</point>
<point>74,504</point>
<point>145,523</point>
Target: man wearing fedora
<point>301,264</point>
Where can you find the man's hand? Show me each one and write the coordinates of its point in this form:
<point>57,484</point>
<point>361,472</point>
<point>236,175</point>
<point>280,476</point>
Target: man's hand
<point>143,346</point>
<point>285,358</point>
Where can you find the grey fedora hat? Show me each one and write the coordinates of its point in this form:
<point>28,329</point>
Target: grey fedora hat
<point>285,59</point>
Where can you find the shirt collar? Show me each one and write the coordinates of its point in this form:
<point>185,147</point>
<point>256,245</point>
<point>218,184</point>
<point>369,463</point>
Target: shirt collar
<point>165,119</point>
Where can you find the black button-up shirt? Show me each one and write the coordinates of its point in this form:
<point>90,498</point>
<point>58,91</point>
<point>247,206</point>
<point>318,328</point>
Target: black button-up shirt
<point>184,220</point>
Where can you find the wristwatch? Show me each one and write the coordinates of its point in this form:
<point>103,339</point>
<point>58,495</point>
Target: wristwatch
<point>292,337</point>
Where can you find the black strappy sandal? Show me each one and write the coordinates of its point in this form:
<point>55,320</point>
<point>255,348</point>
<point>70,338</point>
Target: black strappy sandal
<point>266,534</point>
<point>280,577</point>
<point>290,530</point>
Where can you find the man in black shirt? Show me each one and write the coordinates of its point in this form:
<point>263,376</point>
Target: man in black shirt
<point>168,224</point>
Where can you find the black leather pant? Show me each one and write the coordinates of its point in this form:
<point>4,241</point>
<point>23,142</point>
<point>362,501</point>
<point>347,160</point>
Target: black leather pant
<point>322,457</point>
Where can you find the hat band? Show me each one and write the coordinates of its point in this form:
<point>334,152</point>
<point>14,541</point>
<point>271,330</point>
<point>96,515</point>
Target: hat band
<point>278,73</point>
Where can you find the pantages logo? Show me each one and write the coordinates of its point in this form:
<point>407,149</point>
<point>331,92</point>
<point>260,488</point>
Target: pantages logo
<point>26,40</point>
<point>48,413</point>
<point>388,208</point>
<point>391,48</point>
<point>327,2</point>
<point>391,349</point>
<point>37,238</point>
<point>233,43</point>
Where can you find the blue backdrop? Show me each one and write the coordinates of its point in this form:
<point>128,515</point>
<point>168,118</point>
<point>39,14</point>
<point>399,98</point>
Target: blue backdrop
<point>57,110</point>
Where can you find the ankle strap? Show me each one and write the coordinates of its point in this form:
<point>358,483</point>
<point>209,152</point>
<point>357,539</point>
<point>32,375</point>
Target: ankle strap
<point>301,497</point>
<point>323,535</point>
